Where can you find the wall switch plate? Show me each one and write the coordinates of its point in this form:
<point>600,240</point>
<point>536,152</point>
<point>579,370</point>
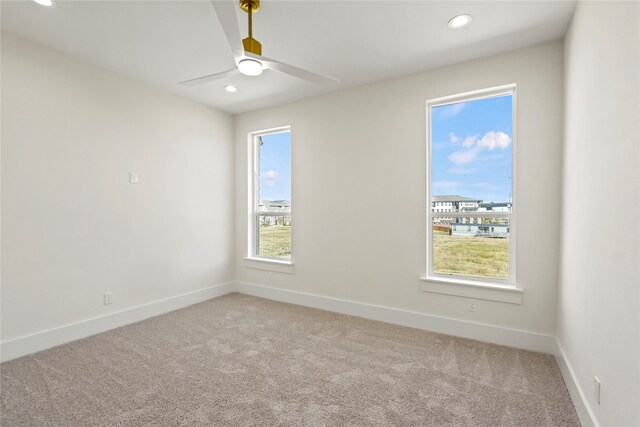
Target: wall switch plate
<point>596,389</point>
<point>108,298</point>
<point>471,305</point>
<point>133,177</point>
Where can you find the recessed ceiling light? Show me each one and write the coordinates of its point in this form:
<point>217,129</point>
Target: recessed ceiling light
<point>44,2</point>
<point>250,67</point>
<point>230,88</point>
<point>460,21</point>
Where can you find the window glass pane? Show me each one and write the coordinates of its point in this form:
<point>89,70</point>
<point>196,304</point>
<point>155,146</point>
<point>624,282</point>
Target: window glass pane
<point>471,153</point>
<point>476,247</point>
<point>273,233</point>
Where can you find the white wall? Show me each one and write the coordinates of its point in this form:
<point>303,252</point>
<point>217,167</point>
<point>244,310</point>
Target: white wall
<point>599,297</point>
<point>73,227</point>
<point>359,188</point>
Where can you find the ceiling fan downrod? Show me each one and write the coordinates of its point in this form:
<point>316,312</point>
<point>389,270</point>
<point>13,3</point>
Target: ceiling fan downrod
<point>250,44</point>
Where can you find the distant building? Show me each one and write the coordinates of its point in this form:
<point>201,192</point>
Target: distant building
<point>495,207</point>
<point>275,206</point>
<point>283,206</point>
<point>454,203</point>
<point>480,230</point>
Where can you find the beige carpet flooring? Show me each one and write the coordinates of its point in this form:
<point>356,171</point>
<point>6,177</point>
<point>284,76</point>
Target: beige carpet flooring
<point>240,360</point>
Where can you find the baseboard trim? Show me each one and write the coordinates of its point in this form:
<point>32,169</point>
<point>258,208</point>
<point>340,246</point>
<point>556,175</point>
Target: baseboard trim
<point>461,328</point>
<point>39,341</point>
<point>580,402</point>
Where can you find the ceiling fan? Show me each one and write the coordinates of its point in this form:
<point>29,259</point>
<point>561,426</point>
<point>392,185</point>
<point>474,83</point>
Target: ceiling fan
<point>248,52</point>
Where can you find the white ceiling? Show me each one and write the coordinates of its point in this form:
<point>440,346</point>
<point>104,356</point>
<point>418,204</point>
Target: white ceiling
<point>165,42</point>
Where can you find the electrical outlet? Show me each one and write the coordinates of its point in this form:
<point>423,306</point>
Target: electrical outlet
<point>108,298</point>
<point>471,305</point>
<point>596,389</point>
<point>133,177</point>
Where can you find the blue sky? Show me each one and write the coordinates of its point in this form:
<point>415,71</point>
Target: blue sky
<point>275,167</point>
<point>471,149</point>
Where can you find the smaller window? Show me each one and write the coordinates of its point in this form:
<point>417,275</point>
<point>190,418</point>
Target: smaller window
<point>269,227</point>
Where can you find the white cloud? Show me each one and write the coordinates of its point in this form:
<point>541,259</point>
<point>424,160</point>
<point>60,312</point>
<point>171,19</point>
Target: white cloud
<point>469,141</point>
<point>451,110</point>
<point>446,184</point>
<point>463,157</point>
<point>270,178</point>
<point>495,140</point>
<point>453,138</point>
<point>491,140</point>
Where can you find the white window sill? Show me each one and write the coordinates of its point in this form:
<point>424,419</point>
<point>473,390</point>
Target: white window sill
<point>276,265</point>
<point>471,289</point>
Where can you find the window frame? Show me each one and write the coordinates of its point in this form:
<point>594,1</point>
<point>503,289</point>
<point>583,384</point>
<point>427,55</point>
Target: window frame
<point>253,259</point>
<point>447,283</point>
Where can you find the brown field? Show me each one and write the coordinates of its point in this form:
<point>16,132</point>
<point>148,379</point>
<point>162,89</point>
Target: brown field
<point>471,256</point>
<point>275,240</point>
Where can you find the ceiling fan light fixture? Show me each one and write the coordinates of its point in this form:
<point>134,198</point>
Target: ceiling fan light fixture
<point>250,67</point>
<point>460,21</point>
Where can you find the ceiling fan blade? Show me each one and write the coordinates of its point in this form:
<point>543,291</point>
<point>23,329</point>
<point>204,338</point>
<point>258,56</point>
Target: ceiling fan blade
<point>226,11</point>
<point>281,67</point>
<point>208,78</point>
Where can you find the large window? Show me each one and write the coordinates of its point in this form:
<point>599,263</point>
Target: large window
<point>270,195</point>
<point>470,186</point>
